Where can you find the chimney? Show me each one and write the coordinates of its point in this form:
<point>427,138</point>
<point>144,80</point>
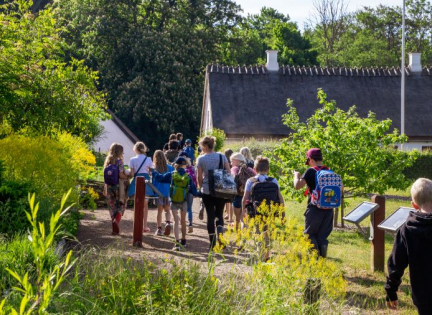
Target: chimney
<point>272,64</point>
<point>415,62</point>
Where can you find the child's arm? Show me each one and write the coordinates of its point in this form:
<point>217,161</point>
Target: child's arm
<point>192,188</point>
<point>162,178</point>
<point>396,264</point>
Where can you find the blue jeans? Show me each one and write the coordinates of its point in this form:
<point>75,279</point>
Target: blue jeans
<point>189,207</point>
<point>318,225</point>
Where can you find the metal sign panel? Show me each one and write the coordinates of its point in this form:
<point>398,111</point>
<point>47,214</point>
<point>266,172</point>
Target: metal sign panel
<point>361,212</point>
<point>396,219</point>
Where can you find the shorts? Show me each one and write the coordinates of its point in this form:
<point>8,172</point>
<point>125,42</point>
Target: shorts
<point>237,202</point>
<point>163,201</point>
<point>179,206</point>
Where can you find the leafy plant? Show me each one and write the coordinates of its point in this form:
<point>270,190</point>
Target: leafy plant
<point>359,149</point>
<point>88,198</point>
<point>37,293</point>
<point>220,138</point>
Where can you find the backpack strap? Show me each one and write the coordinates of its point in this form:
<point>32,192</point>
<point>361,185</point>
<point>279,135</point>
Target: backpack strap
<point>221,166</point>
<point>139,168</point>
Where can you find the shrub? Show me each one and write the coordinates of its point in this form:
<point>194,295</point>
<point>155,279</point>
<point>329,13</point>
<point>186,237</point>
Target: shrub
<point>422,167</point>
<point>50,165</point>
<point>220,138</point>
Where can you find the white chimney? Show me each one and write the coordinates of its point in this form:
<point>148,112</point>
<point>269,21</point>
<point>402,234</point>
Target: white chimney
<point>272,64</point>
<point>415,62</point>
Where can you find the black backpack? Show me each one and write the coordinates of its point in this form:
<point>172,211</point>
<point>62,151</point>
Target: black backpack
<point>266,190</point>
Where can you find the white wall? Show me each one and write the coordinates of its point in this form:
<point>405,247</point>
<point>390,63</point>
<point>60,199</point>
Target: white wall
<point>111,134</point>
<point>409,146</point>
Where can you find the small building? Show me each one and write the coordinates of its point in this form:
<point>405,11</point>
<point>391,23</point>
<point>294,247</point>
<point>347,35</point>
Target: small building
<point>116,131</point>
<point>249,101</point>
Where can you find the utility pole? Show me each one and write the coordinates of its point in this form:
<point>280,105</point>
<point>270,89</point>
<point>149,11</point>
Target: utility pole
<point>403,74</point>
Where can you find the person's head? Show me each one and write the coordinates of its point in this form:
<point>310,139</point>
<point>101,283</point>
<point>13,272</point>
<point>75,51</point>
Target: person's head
<point>160,161</point>
<point>179,136</point>
<point>237,159</point>
<point>115,153</point>
<point>180,162</point>
<point>228,154</point>
<point>172,137</point>
<point>140,148</point>
<point>421,194</point>
<point>246,153</point>
<point>262,165</point>
<point>173,145</point>
<point>314,157</point>
<point>207,144</point>
<point>184,155</point>
<point>188,142</point>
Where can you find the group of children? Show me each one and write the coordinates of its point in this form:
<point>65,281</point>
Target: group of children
<point>177,181</point>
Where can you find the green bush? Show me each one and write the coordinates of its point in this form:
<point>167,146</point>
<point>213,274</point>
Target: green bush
<point>17,254</point>
<point>422,167</point>
<point>13,204</point>
<point>220,138</point>
<point>257,147</point>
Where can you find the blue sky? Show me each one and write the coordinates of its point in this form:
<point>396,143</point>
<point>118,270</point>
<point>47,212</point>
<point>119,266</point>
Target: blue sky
<point>299,10</point>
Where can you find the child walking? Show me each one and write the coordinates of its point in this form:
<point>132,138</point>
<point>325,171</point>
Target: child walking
<point>191,171</point>
<point>163,203</point>
<point>114,172</point>
<point>181,184</point>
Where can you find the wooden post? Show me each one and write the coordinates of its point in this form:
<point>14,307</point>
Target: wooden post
<point>377,235</point>
<point>335,217</point>
<point>138,211</point>
<point>342,211</point>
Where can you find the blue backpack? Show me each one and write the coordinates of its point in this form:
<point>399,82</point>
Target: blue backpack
<point>328,191</point>
<point>111,174</point>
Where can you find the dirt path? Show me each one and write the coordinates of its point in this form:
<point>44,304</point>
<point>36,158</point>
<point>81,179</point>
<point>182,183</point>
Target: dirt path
<point>95,230</point>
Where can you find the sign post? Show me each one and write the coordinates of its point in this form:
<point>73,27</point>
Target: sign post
<point>138,211</point>
<point>377,235</point>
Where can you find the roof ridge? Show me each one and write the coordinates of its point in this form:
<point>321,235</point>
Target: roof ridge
<point>122,126</point>
<point>317,70</point>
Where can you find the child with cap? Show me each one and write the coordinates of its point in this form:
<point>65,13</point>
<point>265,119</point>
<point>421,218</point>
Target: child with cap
<point>413,247</point>
<point>191,171</point>
<point>181,184</point>
<point>318,222</point>
<point>189,150</point>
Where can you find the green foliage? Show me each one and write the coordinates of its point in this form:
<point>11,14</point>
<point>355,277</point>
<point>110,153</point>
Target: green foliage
<point>359,149</point>
<point>88,198</point>
<point>50,165</point>
<point>38,89</point>
<point>257,147</point>
<point>100,158</point>
<point>422,167</point>
<point>151,57</point>
<point>17,254</point>
<point>37,292</point>
<point>220,138</point>
<point>269,29</point>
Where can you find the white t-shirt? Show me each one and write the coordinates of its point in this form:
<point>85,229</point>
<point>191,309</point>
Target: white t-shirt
<point>261,178</point>
<point>136,161</point>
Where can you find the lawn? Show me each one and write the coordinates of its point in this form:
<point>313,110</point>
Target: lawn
<point>352,252</point>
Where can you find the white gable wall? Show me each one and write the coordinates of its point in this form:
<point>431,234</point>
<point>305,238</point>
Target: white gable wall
<point>112,133</point>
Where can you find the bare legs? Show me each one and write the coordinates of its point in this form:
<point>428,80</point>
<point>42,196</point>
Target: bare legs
<point>177,220</point>
<point>167,214</point>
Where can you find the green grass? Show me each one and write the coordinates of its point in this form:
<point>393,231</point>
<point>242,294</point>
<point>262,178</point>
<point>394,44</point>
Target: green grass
<point>352,252</point>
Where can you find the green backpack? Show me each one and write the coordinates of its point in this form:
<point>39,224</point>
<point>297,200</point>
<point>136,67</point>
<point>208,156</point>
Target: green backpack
<point>179,187</point>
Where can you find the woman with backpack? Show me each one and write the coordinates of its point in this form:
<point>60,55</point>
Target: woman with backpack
<point>163,203</point>
<point>241,173</point>
<point>181,185</point>
<point>139,166</point>
<point>248,156</point>
<point>114,172</point>
<point>214,206</point>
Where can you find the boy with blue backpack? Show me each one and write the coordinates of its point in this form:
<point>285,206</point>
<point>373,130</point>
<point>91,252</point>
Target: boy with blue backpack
<point>325,190</point>
<point>189,150</point>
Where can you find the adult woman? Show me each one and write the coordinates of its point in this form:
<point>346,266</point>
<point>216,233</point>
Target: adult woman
<point>140,165</point>
<point>248,156</point>
<point>210,160</point>
<point>116,205</point>
<point>163,203</point>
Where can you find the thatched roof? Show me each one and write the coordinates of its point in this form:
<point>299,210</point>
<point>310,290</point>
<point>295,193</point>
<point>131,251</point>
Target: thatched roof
<point>249,101</point>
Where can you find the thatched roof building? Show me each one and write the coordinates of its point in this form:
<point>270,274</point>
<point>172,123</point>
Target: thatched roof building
<point>249,101</point>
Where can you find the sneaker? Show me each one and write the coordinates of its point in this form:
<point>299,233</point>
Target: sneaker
<point>177,247</point>
<point>201,214</point>
<point>167,229</point>
<point>159,232</point>
<point>183,243</point>
<point>190,229</point>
